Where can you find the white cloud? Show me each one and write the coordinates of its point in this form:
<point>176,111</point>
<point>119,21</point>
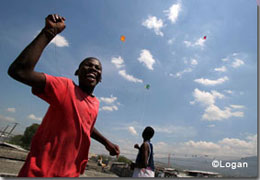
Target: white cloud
<point>6,118</point>
<point>194,62</point>
<point>170,41</point>
<point>108,100</point>
<point>146,58</point>
<point>109,108</point>
<point>238,146</point>
<point>208,82</point>
<point>214,113</point>
<point>13,110</point>
<point>179,74</point>
<point>192,102</point>
<point>132,130</point>
<point>221,69</point>
<point>211,111</point>
<point>233,55</point>
<point>175,130</point>
<point>33,117</point>
<point>162,149</point>
<point>206,98</point>
<point>111,103</point>
<point>237,106</point>
<point>252,137</point>
<point>173,12</point>
<point>233,142</point>
<point>225,59</point>
<point>199,42</point>
<point>118,62</point>
<point>228,91</point>
<point>187,43</point>
<point>153,23</point>
<point>216,94</point>
<point>237,62</point>
<point>206,146</point>
<point>60,41</point>
<point>129,77</point>
<point>225,148</point>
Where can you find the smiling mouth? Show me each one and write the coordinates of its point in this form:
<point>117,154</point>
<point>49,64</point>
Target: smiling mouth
<point>91,76</point>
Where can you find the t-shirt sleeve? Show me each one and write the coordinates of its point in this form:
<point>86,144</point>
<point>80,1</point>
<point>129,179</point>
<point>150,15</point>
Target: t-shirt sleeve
<point>54,91</point>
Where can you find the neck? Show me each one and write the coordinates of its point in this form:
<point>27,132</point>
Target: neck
<point>88,90</point>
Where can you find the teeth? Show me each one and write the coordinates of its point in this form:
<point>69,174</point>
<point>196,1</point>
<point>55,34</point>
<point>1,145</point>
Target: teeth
<point>91,75</point>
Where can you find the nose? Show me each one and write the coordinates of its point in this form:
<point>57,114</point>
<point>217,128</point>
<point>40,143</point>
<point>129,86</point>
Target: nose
<point>93,67</point>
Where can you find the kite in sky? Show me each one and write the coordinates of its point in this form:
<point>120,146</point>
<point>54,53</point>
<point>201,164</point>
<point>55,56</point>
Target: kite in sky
<point>147,86</point>
<point>122,38</point>
<point>204,37</point>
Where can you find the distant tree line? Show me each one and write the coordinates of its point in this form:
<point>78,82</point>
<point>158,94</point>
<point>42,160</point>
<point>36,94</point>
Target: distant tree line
<point>107,158</point>
<point>25,139</point>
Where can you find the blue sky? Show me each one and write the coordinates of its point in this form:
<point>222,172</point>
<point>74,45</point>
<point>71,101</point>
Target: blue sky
<point>203,91</point>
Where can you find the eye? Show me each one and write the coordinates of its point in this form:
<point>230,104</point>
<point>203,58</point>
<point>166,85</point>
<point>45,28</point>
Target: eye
<point>86,65</point>
<point>98,67</point>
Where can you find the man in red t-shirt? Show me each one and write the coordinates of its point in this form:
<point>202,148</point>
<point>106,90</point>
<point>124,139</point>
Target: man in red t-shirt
<point>61,144</point>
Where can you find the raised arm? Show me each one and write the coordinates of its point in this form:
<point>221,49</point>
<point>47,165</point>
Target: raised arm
<point>112,148</point>
<point>22,69</point>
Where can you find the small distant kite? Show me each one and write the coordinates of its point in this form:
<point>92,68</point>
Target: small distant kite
<point>147,86</point>
<point>122,38</point>
<point>205,37</point>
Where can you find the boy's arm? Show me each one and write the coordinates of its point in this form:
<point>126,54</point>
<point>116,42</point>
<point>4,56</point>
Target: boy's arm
<point>136,146</point>
<point>145,155</point>
<point>145,152</point>
<point>112,148</point>
<point>22,69</point>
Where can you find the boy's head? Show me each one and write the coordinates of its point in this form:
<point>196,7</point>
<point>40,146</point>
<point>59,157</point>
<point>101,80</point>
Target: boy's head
<point>89,72</point>
<point>148,133</point>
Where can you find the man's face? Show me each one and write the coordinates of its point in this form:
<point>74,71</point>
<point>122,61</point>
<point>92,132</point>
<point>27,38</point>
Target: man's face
<point>89,73</point>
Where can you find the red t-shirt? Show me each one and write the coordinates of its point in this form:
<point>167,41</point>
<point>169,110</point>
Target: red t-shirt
<point>61,144</point>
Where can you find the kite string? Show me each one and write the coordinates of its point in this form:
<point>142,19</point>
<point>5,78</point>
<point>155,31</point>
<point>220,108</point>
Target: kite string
<point>123,39</point>
<point>143,108</point>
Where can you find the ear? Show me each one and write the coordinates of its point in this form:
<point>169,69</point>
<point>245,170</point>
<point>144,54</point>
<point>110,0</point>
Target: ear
<point>76,72</point>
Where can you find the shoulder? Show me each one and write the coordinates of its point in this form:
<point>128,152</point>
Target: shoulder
<point>57,79</point>
<point>145,145</point>
<point>48,76</point>
<point>95,101</point>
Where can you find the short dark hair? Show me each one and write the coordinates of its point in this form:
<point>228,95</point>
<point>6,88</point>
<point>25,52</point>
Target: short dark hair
<point>148,133</point>
<point>87,59</point>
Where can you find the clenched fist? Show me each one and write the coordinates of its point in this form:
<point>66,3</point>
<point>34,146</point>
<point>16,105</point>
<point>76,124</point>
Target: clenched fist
<point>54,24</point>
